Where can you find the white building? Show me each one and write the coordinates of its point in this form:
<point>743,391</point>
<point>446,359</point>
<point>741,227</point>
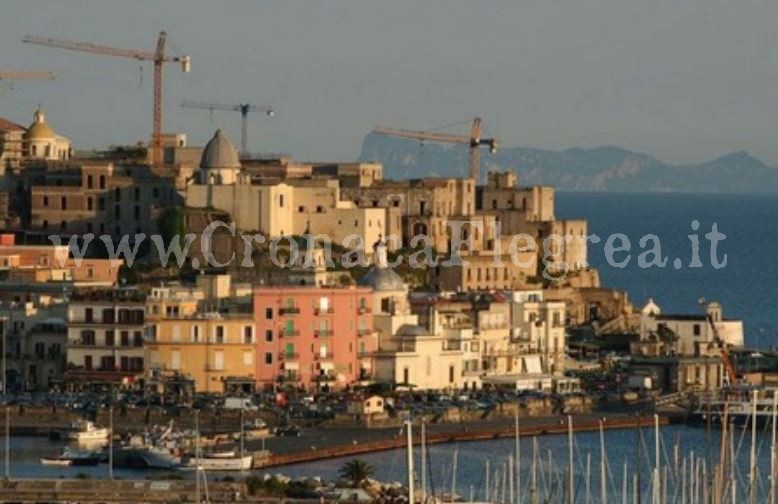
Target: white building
<point>689,335</point>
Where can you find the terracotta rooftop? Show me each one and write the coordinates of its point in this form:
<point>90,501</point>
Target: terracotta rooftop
<point>6,125</point>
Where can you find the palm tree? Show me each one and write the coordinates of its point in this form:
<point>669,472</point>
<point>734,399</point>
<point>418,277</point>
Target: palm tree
<point>356,471</point>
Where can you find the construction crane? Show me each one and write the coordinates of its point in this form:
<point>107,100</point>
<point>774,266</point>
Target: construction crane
<point>22,75</point>
<point>158,57</point>
<point>474,141</point>
<point>243,108</point>
<point>722,346</point>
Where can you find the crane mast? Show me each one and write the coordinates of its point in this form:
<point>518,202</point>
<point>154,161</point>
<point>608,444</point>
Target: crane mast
<point>722,346</point>
<point>243,108</point>
<point>158,57</point>
<point>474,141</point>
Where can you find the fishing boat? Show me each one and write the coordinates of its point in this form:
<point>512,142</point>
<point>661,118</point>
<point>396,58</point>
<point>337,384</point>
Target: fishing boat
<point>740,404</point>
<point>83,431</point>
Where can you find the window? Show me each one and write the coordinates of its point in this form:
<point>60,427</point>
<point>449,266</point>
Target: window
<point>110,340</point>
<point>88,362</point>
<point>195,334</point>
<point>88,338</point>
<point>176,334</point>
<point>451,374</point>
<point>218,360</point>
<point>247,358</point>
<point>137,339</point>
<point>697,329</point>
<point>248,334</point>
<point>219,334</point>
<point>90,203</point>
<point>64,203</point>
<point>269,335</point>
<point>268,313</point>
<point>88,315</point>
<point>45,201</point>
<point>125,338</point>
<point>268,358</point>
<point>137,194</point>
<point>175,360</point>
<point>89,181</point>
<point>281,201</point>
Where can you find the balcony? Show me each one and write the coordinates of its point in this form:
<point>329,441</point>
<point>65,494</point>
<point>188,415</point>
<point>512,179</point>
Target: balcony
<point>324,356</point>
<point>323,311</point>
<point>288,333</point>
<point>364,331</point>
<point>289,310</point>
<point>288,356</point>
<point>363,310</point>
<point>322,333</point>
<point>364,354</point>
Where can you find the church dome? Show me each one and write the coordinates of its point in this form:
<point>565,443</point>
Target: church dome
<point>39,130</point>
<point>382,279</point>
<point>219,153</point>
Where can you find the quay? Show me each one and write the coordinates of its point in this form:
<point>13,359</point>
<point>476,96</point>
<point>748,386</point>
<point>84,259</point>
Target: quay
<point>333,446</point>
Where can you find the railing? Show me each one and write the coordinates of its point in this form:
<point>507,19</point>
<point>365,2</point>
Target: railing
<point>324,356</point>
<point>364,331</point>
<point>364,354</point>
<point>363,310</point>
<point>289,355</point>
<point>286,333</point>
<point>289,310</point>
<point>323,311</point>
<point>322,333</point>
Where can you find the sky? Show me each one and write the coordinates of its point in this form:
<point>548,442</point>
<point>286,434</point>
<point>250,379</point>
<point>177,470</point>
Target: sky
<point>684,80</point>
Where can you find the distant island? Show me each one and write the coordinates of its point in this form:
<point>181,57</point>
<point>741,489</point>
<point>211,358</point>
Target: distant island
<point>597,169</point>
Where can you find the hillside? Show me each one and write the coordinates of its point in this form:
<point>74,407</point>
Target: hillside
<point>597,169</point>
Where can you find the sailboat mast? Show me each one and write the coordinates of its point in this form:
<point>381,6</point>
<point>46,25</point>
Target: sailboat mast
<point>603,481</point>
<point>409,440</point>
<point>570,475</point>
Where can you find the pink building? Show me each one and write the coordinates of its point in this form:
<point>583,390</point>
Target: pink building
<point>313,337</point>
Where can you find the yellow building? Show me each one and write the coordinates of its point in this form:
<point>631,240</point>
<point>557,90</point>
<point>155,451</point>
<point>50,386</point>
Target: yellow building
<point>216,351</point>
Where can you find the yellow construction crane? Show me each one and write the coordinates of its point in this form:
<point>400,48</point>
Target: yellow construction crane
<point>23,75</point>
<point>158,57</point>
<point>474,141</point>
<point>243,108</point>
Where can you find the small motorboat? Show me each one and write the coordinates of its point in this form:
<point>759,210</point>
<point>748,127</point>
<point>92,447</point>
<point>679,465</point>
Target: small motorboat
<point>73,458</point>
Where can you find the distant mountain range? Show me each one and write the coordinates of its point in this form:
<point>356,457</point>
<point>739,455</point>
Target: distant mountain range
<point>597,169</point>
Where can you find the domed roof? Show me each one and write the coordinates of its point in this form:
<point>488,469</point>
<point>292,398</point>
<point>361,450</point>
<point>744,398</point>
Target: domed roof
<point>382,279</point>
<point>219,152</point>
<point>39,130</point>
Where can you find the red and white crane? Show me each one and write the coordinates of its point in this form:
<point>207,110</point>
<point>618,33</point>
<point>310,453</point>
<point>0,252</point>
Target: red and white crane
<point>474,141</point>
<point>158,57</point>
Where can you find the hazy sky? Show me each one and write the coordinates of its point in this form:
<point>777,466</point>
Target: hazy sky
<point>686,80</point>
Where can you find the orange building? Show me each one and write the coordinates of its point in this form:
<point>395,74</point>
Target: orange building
<point>313,337</point>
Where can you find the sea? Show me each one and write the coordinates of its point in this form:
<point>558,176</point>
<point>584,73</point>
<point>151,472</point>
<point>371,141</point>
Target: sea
<point>746,286</point>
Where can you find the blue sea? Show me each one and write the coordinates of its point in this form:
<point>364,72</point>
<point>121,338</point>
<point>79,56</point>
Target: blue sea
<point>746,286</point>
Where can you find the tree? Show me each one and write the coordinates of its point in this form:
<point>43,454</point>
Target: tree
<point>356,471</point>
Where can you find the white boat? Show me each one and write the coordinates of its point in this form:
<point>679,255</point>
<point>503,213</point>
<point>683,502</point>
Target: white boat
<point>158,458</point>
<point>221,463</point>
<point>56,461</point>
<point>85,431</point>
